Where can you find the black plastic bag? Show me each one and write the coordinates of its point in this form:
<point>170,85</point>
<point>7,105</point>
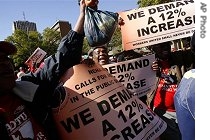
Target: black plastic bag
<point>99,26</point>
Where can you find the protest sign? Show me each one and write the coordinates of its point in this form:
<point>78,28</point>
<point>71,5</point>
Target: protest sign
<point>36,57</point>
<point>159,23</point>
<point>135,74</point>
<point>96,106</point>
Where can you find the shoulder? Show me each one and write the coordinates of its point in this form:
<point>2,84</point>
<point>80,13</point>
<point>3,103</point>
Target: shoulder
<point>190,74</point>
<point>20,74</point>
<point>186,92</point>
<point>188,81</point>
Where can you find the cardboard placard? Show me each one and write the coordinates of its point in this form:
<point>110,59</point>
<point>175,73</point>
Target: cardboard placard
<point>135,74</point>
<point>158,23</point>
<point>96,106</point>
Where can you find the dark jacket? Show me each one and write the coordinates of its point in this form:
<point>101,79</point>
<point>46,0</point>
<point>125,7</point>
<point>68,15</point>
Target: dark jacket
<point>47,79</point>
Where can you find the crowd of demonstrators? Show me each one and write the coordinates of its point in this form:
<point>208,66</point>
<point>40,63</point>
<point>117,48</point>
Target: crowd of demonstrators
<point>32,95</point>
<point>22,70</point>
<point>36,89</point>
<point>170,68</point>
<point>184,100</point>
<point>100,54</point>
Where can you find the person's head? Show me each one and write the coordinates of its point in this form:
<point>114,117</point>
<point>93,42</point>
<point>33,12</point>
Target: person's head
<point>128,55</point>
<point>162,50</point>
<point>100,55</point>
<point>186,42</point>
<point>7,74</point>
<point>21,69</point>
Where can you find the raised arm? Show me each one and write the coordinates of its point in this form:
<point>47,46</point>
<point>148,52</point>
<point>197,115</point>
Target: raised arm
<point>68,53</point>
<point>79,26</point>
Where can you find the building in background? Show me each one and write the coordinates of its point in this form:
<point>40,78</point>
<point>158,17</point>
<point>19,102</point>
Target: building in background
<point>62,26</point>
<point>24,26</point>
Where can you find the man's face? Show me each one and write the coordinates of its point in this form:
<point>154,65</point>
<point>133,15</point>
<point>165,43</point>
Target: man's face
<point>162,51</point>
<point>100,55</point>
<point>7,75</point>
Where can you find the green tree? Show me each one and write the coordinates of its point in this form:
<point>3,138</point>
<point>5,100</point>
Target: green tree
<point>116,42</point>
<point>86,47</point>
<point>27,43</point>
<point>145,3</point>
<point>50,41</point>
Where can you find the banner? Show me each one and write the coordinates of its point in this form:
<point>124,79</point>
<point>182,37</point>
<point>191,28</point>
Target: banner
<point>159,23</point>
<point>95,106</point>
<point>135,74</point>
<point>36,57</point>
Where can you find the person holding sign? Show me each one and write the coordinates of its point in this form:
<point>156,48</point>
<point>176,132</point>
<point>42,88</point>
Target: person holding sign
<point>37,89</point>
<point>169,74</point>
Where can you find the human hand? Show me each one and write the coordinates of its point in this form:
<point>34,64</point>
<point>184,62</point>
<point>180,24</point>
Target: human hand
<point>121,21</point>
<point>82,6</point>
<point>92,4</point>
<point>155,66</point>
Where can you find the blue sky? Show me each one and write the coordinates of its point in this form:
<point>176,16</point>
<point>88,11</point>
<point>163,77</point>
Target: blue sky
<point>46,12</point>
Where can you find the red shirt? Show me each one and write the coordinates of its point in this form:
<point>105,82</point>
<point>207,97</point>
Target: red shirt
<point>164,97</point>
<point>19,123</point>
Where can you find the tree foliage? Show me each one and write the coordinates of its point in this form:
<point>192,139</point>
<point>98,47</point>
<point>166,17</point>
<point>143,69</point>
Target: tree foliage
<point>27,43</point>
<point>145,3</point>
<point>116,42</point>
<point>50,41</point>
<point>86,47</point>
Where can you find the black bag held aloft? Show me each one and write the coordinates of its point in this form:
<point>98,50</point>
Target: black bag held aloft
<point>99,26</point>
